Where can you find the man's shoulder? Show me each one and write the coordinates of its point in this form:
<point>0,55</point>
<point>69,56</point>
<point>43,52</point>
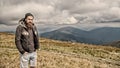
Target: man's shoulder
<point>19,27</point>
<point>34,26</point>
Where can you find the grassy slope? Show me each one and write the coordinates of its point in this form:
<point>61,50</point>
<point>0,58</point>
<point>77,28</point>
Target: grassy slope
<point>57,54</point>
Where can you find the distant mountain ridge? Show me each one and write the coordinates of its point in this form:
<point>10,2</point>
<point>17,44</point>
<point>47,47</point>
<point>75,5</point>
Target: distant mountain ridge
<point>97,36</point>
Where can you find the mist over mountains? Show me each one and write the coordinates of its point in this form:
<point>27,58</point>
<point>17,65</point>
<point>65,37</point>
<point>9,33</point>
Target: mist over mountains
<point>102,35</point>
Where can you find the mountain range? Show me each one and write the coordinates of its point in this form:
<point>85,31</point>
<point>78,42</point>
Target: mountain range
<point>102,35</point>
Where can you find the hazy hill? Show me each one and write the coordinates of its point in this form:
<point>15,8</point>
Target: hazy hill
<point>114,44</point>
<point>96,36</point>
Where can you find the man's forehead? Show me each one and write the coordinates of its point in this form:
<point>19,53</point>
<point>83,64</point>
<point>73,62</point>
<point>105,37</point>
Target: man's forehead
<point>30,17</point>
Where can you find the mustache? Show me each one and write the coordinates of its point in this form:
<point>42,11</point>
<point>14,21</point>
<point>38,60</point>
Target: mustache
<point>30,22</point>
<point>30,25</point>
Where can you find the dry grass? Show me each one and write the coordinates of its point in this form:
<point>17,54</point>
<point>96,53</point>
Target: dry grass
<point>57,54</point>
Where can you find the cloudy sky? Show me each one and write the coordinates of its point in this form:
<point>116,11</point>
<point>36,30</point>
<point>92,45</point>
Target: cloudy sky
<point>51,14</point>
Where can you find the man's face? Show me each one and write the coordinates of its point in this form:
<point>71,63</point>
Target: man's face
<point>29,20</point>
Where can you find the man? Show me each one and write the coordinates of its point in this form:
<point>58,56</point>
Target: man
<point>27,41</point>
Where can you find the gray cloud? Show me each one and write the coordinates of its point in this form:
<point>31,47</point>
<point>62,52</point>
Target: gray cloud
<point>60,11</point>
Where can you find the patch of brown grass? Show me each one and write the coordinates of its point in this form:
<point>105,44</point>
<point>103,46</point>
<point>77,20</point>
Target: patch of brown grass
<point>58,54</point>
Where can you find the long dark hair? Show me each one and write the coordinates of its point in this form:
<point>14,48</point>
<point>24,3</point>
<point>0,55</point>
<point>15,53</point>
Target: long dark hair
<point>23,19</point>
<point>28,14</point>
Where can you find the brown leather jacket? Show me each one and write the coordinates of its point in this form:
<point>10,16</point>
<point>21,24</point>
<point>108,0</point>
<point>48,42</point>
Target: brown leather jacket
<point>22,38</point>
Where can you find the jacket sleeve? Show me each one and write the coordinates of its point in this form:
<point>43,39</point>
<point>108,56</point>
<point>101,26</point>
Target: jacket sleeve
<point>37,40</point>
<point>18,40</point>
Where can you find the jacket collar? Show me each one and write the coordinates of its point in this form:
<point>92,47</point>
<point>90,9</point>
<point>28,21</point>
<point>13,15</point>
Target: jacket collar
<point>22,23</point>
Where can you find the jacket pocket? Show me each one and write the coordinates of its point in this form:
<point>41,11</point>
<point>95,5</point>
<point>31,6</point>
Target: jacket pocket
<point>24,43</point>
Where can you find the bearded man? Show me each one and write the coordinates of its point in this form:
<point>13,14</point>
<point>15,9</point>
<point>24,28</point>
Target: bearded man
<point>27,41</point>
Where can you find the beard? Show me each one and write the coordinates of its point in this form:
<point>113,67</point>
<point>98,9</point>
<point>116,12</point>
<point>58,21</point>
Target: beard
<point>29,25</point>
